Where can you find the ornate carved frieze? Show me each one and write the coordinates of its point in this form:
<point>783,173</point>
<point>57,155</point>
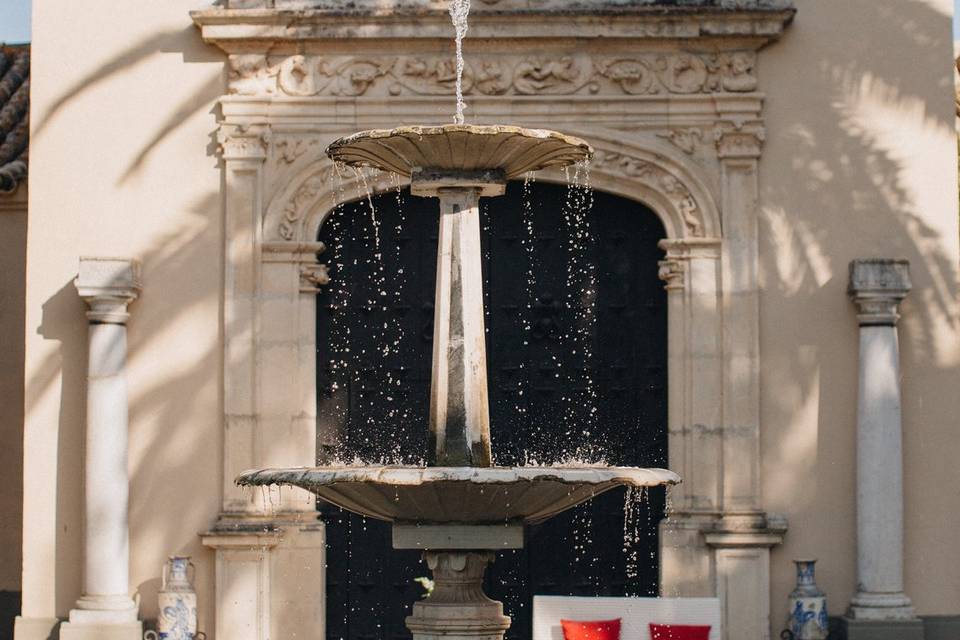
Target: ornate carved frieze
<point>686,139</point>
<point>657,179</point>
<point>681,73</point>
<point>651,73</point>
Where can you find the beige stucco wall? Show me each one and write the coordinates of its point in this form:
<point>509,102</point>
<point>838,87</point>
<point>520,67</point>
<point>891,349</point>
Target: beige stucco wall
<point>13,254</point>
<point>122,116</point>
<point>860,160</point>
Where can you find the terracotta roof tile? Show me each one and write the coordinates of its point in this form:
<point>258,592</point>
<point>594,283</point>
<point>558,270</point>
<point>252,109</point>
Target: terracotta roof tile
<point>14,114</point>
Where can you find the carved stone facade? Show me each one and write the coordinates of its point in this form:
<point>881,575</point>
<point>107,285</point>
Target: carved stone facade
<point>648,73</point>
<point>668,98</point>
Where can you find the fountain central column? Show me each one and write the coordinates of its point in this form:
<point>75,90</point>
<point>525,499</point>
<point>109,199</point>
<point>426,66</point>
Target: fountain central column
<point>459,410</point>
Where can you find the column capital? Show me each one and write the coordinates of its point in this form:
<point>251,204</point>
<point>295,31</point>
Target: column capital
<point>877,285</point>
<point>237,142</point>
<point>672,271</point>
<point>313,276</point>
<point>739,141</point>
<point>108,285</point>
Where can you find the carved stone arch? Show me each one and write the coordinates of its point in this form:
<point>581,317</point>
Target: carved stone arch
<point>644,170</point>
<point>299,209</point>
<point>657,174</point>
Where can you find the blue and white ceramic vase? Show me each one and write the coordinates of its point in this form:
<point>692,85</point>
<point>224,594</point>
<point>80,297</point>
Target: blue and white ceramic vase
<point>177,601</point>
<point>808,605</point>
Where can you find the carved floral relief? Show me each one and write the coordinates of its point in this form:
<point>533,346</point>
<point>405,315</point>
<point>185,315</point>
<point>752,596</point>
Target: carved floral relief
<point>294,209</point>
<point>657,179</point>
<point>635,74</point>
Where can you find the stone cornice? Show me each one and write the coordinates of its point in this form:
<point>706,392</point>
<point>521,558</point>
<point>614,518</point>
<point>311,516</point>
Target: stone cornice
<point>238,30</point>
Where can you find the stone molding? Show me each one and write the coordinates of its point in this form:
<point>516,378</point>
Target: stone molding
<point>108,285</point>
<point>241,540</point>
<point>877,286</point>
<point>303,23</point>
<point>486,6</point>
<point>630,73</point>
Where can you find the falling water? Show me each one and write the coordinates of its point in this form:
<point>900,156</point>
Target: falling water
<point>634,502</point>
<point>531,283</point>
<point>581,296</point>
<point>459,12</point>
<point>367,378</point>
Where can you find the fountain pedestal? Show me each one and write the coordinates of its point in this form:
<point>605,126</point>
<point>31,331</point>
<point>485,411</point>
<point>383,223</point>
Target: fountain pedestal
<point>459,410</point>
<point>457,607</point>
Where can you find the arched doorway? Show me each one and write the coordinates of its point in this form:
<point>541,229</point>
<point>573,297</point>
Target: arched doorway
<point>576,349</point>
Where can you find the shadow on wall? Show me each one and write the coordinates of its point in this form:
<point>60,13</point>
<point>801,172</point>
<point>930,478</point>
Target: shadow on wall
<point>185,41</point>
<point>182,281</point>
<point>165,440</point>
<point>844,178</point>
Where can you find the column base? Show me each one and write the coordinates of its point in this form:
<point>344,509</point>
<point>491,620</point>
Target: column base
<point>35,628</point>
<point>77,631</point>
<point>457,608</point>
<point>109,617</point>
<point>867,605</point>
<point>264,566</point>
<point>104,610</point>
<point>852,629</point>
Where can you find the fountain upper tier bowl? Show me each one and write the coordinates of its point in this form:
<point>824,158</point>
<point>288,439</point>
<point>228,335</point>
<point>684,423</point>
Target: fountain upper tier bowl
<point>506,151</point>
<point>466,495</point>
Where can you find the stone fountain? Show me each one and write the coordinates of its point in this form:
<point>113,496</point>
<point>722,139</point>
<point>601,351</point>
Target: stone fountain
<point>459,508</point>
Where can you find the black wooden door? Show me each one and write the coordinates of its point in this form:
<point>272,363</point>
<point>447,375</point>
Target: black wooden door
<point>576,349</point>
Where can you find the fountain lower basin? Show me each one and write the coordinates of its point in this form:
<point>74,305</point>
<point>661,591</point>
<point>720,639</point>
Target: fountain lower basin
<point>463,495</point>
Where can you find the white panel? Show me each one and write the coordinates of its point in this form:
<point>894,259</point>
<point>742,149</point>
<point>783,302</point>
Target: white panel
<point>635,614</point>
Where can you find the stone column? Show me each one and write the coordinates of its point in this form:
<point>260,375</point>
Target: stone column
<point>269,550</point>
<point>106,610</point>
<point>741,540</point>
<point>880,605</point>
<point>695,370</point>
<point>459,413</point>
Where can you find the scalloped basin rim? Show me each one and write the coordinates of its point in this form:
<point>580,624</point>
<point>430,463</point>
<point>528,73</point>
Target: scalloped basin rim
<point>443,129</point>
<point>468,495</point>
<point>457,148</point>
<point>408,475</point>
